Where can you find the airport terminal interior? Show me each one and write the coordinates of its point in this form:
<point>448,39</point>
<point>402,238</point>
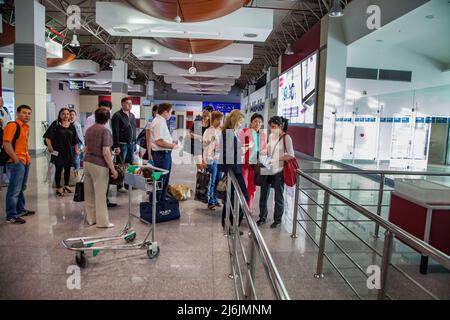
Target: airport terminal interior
<point>122,112</point>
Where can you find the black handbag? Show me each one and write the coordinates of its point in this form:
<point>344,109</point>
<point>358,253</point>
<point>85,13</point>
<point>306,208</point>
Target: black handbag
<point>202,186</point>
<point>79,191</point>
<point>258,179</point>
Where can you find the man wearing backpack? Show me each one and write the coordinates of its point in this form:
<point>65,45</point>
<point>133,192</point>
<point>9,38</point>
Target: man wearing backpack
<point>17,157</point>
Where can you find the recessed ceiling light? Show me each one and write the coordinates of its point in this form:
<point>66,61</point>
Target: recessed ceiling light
<point>250,35</point>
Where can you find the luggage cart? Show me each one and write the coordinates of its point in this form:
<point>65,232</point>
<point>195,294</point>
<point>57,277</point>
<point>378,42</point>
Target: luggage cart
<point>81,245</point>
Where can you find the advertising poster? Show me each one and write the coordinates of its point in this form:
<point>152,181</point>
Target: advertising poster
<point>309,67</point>
<point>290,95</point>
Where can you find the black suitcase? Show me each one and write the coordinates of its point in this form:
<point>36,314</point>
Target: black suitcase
<point>165,211</point>
<point>202,186</point>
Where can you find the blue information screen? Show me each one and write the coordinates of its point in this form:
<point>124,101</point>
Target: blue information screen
<point>224,107</point>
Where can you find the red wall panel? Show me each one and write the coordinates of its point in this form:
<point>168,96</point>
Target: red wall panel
<point>303,139</point>
<point>302,48</point>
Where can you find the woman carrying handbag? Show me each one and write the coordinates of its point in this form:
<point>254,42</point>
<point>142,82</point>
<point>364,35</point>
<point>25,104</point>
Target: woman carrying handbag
<point>279,151</point>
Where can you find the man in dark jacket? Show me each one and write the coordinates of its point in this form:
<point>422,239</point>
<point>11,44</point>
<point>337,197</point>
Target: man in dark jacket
<point>123,124</point>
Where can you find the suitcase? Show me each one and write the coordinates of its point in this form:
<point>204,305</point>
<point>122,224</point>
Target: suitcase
<point>202,186</point>
<point>165,211</point>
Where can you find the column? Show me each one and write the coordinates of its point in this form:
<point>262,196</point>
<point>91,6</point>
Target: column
<point>332,86</point>
<point>30,79</point>
<point>119,88</point>
<point>146,111</point>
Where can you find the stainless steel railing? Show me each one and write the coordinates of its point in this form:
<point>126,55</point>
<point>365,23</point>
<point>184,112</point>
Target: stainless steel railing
<point>247,288</point>
<point>392,231</point>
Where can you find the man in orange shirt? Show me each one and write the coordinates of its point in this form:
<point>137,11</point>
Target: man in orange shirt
<point>18,165</point>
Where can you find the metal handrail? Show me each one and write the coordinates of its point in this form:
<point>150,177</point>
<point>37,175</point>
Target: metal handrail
<point>380,172</point>
<point>399,233</point>
<point>391,229</point>
<point>258,243</point>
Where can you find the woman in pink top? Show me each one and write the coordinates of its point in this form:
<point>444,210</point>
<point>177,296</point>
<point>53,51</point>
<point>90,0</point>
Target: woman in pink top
<point>254,141</point>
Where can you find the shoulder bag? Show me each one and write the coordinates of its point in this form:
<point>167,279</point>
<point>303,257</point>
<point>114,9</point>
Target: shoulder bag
<point>290,168</point>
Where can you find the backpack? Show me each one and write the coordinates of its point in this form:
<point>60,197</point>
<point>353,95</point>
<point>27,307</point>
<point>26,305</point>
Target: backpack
<point>141,139</point>
<point>4,157</point>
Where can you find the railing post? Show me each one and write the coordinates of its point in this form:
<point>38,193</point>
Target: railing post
<point>235,233</point>
<point>294,218</point>
<point>252,266</point>
<point>380,204</point>
<point>323,234</point>
<point>386,260</point>
<point>228,207</point>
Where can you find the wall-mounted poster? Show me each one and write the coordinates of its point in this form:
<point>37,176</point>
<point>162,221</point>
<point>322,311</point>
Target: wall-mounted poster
<point>296,92</point>
<point>309,68</point>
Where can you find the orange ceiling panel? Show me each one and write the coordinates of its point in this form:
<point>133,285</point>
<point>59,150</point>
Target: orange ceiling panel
<point>188,10</point>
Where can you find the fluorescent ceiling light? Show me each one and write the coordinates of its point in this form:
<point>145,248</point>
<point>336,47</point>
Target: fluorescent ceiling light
<point>204,33</point>
<point>166,31</point>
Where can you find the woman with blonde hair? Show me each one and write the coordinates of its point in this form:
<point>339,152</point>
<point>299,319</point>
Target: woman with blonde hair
<point>231,156</point>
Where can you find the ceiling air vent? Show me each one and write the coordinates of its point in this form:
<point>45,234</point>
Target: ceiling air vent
<point>362,73</point>
<point>395,75</point>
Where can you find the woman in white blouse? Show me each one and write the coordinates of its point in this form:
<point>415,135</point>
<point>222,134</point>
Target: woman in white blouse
<point>279,149</point>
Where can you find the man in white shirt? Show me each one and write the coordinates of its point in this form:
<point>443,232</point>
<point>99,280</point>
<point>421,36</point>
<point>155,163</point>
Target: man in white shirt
<point>90,121</point>
<point>162,145</point>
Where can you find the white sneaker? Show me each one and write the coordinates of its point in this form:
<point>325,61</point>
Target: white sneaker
<point>122,190</point>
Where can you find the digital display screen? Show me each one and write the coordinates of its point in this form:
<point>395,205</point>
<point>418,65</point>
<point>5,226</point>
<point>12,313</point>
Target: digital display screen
<point>296,92</point>
<point>77,85</point>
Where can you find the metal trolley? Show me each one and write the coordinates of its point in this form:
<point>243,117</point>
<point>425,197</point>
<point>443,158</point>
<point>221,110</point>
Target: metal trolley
<point>81,245</point>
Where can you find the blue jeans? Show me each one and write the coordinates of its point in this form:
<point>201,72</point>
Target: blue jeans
<point>126,155</point>
<point>76,158</point>
<point>163,160</point>
<point>15,199</point>
<point>212,168</point>
<point>127,152</point>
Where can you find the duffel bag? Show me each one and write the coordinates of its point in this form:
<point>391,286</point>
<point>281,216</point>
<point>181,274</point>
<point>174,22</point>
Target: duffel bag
<point>166,211</point>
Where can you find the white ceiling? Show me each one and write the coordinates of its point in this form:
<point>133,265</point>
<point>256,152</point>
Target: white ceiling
<point>236,53</point>
<point>116,16</point>
<point>231,71</point>
<point>206,81</point>
<point>417,33</point>
<point>412,42</point>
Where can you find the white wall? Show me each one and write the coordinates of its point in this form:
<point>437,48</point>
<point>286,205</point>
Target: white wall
<point>62,98</point>
<point>425,102</point>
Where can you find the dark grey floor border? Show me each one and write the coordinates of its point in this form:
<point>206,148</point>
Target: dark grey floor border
<point>374,177</point>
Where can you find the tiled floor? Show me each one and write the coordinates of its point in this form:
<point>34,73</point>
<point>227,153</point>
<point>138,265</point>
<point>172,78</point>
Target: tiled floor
<point>194,260</point>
